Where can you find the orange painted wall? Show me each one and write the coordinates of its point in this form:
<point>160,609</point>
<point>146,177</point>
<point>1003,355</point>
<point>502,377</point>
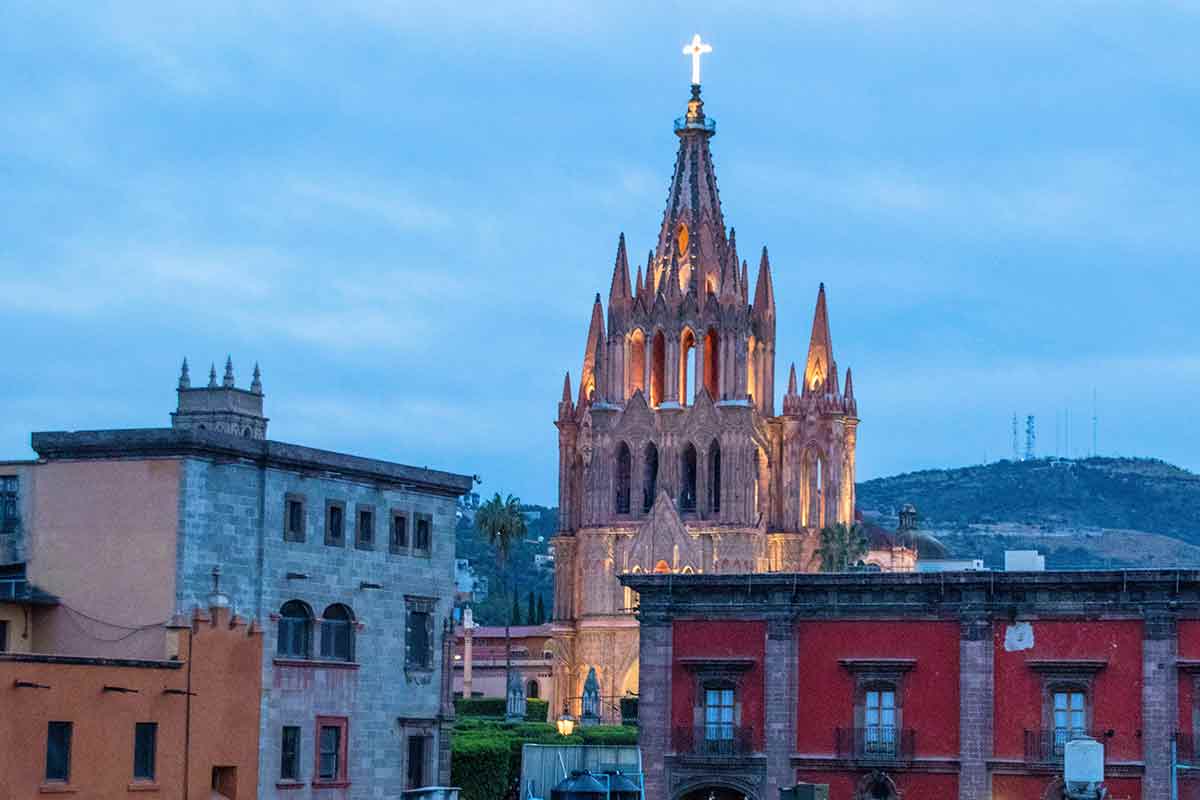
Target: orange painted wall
<point>930,690</point>
<point>1117,702</point>
<point>1031,787</point>
<point>226,679</point>
<point>87,518</point>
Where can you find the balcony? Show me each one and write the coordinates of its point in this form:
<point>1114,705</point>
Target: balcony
<point>883,743</point>
<point>1046,746</point>
<point>714,741</point>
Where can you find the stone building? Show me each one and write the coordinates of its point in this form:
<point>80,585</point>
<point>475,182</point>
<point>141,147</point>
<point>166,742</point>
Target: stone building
<point>673,457</point>
<point>917,685</point>
<point>347,562</point>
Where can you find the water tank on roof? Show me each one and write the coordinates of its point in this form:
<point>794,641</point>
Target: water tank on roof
<point>623,787</point>
<point>581,785</point>
<point>1083,768</point>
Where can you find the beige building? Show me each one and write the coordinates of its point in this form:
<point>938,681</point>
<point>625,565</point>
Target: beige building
<point>673,457</point>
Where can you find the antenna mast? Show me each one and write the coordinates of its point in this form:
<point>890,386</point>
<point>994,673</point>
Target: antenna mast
<point>1016,448</point>
<point>1030,438</point>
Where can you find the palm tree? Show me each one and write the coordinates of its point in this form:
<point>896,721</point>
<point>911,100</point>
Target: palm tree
<point>500,520</point>
<point>842,546</point>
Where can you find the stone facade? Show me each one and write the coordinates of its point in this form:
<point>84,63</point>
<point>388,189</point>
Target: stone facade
<point>261,511</point>
<point>973,663</point>
<point>672,457</point>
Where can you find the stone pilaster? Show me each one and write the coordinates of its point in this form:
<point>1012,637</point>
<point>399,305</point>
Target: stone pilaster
<point>975,688</point>
<point>654,702</point>
<point>780,704</point>
<point>1160,702</point>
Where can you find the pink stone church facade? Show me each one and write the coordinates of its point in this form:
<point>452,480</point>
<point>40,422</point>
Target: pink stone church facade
<point>672,455</point>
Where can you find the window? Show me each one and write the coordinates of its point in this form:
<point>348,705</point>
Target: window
<point>335,524</point>
<point>289,761</point>
<point>879,722</point>
<point>419,634</point>
<point>1070,717</point>
<point>532,690</point>
<point>337,638</point>
<point>649,476</point>
<point>365,532</point>
<point>399,538</point>
<point>3,637</point>
<point>421,536</point>
<point>418,746</point>
<point>293,530</point>
<point>714,477</point>
<point>145,740</point>
<point>687,471</point>
<point>58,751</point>
<point>331,750</point>
<point>295,627</point>
<point>624,473</point>
<point>8,503</point>
<point>718,714</point>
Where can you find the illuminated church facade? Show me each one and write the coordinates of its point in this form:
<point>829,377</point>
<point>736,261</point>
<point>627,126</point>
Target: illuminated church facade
<point>673,457</point>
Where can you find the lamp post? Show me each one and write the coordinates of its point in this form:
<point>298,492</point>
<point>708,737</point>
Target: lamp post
<point>566,723</point>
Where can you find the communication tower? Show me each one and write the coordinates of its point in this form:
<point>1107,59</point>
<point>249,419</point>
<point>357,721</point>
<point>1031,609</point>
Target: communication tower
<point>1016,448</point>
<point>1030,438</point>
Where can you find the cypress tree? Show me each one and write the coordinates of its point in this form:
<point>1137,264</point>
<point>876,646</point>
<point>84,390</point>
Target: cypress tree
<point>541,611</point>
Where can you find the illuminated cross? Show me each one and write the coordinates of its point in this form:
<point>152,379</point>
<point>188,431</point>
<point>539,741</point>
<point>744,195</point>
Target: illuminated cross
<point>696,48</point>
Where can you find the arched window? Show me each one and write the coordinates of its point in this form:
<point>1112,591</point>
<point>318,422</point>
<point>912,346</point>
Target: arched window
<point>687,474</point>
<point>637,363</point>
<point>712,364</point>
<point>714,476</point>
<point>812,489</point>
<point>649,476</point>
<point>531,690</point>
<point>687,380</point>
<point>295,630</point>
<point>658,367</point>
<point>624,471</point>
<point>337,637</point>
<point>751,376</point>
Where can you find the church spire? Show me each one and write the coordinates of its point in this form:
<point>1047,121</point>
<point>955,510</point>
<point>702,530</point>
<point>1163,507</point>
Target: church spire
<point>764,291</point>
<point>588,378</point>
<point>565,407</point>
<point>848,398</point>
<point>228,381</point>
<point>256,383</point>
<point>185,380</point>
<point>818,370</point>
<point>619,293</point>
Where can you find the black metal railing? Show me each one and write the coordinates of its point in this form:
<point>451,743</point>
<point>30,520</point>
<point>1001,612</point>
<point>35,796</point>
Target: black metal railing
<point>1046,746</point>
<point>707,124</point>
<point>876,743</point>
<point>717,741</point>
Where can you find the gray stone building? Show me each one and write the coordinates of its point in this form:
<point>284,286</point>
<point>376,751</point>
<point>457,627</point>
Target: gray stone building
<point>347,563</point>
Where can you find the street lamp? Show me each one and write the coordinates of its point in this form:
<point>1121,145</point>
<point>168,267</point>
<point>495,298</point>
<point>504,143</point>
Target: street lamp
<point>566,723</point>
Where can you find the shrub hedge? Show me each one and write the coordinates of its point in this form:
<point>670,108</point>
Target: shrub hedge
<point>479,765</point>
<point>535,710</point>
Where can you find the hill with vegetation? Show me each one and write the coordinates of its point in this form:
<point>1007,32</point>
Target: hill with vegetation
<point>530,579</point>
<point>1082,513</point>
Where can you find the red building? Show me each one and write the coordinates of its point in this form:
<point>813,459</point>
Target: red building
<point>918,685</point>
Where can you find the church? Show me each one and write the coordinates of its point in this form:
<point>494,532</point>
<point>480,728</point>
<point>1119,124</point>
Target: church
<point>673,457</point>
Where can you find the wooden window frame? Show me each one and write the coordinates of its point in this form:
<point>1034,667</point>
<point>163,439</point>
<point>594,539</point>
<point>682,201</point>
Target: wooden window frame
<point>427,551</point>
<point>288,534</point>
<point>367,543</point>
<point>283,761</point>
<point>152,727</point>
<point>420,605</point>
<point>424,729</point>
<point>402,546</point>
<point>70,729</point>
<point>10,499</point>
<point>342,778</point>
<point>330,541</point>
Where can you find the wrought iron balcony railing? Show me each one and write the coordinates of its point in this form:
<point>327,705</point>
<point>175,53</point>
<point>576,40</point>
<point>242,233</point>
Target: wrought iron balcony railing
<point>718,741</point>
<point>876,743</point>
<point>1046,746</point>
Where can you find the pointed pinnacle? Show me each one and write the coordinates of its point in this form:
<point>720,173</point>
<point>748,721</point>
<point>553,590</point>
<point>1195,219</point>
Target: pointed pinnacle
<point>620,279</point>
<point>849,385</point>
<point>792,379</point>
<point>764,292</point>
<point>185,380</point>
<point>212,376</point>
<point>566,396</point>
<point>256,383</point>
<point>228,380</point>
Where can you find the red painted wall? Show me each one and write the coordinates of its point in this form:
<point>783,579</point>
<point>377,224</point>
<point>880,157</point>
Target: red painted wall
<point>1032,787</point>
<point>704,639</point>
<point>929,691</point>
<point>917,785</point>
<point>1189,649</point>
<point>1117,698</point>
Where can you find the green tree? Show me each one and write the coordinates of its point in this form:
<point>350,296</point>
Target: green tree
<point>515,612</point>
<point>531,614</point>
<point>541,611</point>
<point>500,520</point>
<point>842,546</point>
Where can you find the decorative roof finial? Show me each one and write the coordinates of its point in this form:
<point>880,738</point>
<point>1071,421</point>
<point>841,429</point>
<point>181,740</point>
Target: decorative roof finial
<point>696,48</point>
<point>256,384</point>
<point>212,376</point>
<point>185,380</point>
<point>228,380</point>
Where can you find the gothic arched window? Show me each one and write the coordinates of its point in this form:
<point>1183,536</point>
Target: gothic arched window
<point>658,368</point>
<point>687,380</point>
<point>624,470</point>
<point>714,476</point>
<point>812,489</point>
<point>649,476</point>
<point>295,630</point>
<point>337,633</point>
<point>637,363</point>
<point>712,364</point>
<point>687,474</point>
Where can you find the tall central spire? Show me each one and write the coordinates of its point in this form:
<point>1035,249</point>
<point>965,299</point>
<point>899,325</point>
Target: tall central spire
<point>692,246</point>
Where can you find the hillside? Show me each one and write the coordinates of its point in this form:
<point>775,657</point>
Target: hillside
<point>1090,512</point>
<point>541,523</point>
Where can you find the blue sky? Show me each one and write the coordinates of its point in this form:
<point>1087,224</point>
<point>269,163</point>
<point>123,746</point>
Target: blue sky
<point>403,212</point>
